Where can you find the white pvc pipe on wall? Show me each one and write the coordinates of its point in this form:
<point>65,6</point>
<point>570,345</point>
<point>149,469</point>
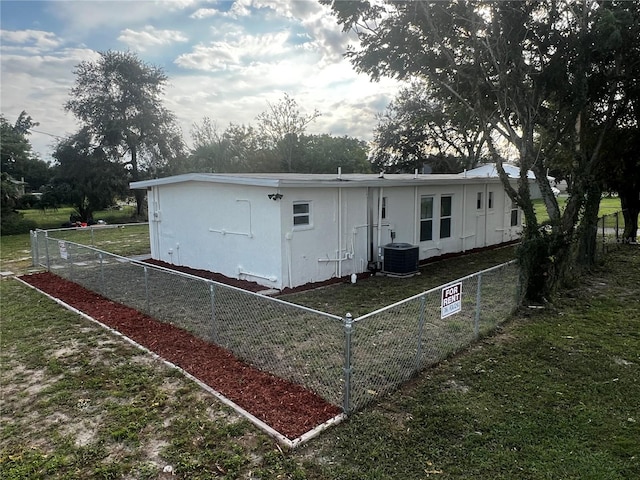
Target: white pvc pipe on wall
<point>380,194</point>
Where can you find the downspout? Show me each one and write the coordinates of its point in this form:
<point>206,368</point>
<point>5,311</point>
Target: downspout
<point>486,213</point>
<point>288,237</point>
<point>416,216</point>
<point>155,193</point>
<point>369,227</point>
<point>339,232</point>
<point>464,211</point>
<point>380,193</point>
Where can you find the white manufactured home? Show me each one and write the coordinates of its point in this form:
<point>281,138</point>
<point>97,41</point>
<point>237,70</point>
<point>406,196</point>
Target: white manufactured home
<point>287,230</point>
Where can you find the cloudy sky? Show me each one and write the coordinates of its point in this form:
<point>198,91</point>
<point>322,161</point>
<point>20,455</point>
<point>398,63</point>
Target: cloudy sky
<point>226,60</point>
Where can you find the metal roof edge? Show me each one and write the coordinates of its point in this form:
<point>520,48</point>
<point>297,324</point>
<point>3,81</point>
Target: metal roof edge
<point>317,181</point>
<point>207,178</point>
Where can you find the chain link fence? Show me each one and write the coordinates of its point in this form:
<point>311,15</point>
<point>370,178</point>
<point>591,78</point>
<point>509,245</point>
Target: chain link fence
<point>128,239</point>
<point>347,361</point>
<point>609,233</point>
<point>392,344</point>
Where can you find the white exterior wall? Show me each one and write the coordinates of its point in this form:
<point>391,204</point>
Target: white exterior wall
<point>471,227</point>
<point>334,244</point>
<point>239,231</point>
<point>229,229</point>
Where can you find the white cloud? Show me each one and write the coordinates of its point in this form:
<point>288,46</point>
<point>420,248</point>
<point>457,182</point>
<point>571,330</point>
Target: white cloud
<point>232,65</point>
<point>216,56</point>
<point>178,4</point>
<point>83,18</point>
<point>40,84</point>
<point>204,13</point>
<point>236,53</point>
<point>36,38</point>
<point>150,36</point>
<point>239,9</point>
<point>348,102</point>
<point>316,19</point>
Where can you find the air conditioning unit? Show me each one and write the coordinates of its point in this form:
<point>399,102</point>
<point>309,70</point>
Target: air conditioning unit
<point>400,259</point>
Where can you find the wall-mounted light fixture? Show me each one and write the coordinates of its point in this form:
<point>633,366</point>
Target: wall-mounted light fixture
<point>275,196</point>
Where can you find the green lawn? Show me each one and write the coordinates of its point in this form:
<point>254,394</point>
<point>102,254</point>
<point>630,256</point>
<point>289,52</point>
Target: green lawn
<point>56,218</point>
<point>608,205</point>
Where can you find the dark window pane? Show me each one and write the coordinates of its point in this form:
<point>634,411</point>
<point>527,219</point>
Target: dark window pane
<point>514,218</point>
<point>300,208</point>
<point>445,207</point>
<point>426,230</point>
<point>445,228</point>
<point>301,220</point>
<point>426,207</point>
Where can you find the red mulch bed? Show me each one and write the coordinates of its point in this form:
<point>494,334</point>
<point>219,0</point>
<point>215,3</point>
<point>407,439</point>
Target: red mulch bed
<point>286,407</point>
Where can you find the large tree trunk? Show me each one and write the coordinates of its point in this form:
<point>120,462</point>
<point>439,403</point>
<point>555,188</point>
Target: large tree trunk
<point>630,201</point>
<point>588,228</point>
<point>140,195</point>
<point>545,261</point>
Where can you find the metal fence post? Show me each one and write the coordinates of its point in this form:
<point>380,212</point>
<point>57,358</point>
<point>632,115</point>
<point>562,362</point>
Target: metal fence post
<point>423,301</point>
<point>34,248</point>
<point>476,326</point>
<point>617,226</point>
<point>348,332</point>
<point>69,261</point>
<point>146,288</point>
<point>46,247</point>
<point>214,329</point>
<point>103,291</point>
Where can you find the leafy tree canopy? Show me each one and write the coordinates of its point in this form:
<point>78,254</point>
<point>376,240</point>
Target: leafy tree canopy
<point>530,71</point>
<point>281,126</point>
<point>119,100</point>
<point>17,157</point>
<point>277,144</point>
<point>325,153</point>
<point>85,177</point>
<point>419,130</point>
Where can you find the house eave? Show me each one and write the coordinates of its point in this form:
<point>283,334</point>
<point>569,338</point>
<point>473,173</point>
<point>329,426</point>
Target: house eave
<point>317,180</point>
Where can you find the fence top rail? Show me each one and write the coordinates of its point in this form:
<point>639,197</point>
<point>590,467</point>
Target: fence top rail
<point>91,227</point>
<point>200,279</point>
<point>434,289</point>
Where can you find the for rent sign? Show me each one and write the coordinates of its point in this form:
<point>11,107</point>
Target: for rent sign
<point>451,300</point>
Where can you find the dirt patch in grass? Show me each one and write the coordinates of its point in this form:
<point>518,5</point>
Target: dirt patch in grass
<point>288,408</point>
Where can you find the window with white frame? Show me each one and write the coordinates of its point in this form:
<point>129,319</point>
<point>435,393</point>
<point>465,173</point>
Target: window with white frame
<point>301,214</point>
<point>445,216</point>
<point>426,218</point>
<point>490,200</point>
<point>479,204</point>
